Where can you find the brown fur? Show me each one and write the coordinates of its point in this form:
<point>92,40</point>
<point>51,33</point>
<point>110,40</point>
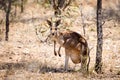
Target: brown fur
<point>75,45</point>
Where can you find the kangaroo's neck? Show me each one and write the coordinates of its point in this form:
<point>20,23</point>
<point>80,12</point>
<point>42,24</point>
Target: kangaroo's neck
<point>60,38</point>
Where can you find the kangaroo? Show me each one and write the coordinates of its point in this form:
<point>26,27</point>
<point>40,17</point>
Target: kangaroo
<point>76,47</point>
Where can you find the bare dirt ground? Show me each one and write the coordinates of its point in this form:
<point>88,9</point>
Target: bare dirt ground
<point>24,57</point>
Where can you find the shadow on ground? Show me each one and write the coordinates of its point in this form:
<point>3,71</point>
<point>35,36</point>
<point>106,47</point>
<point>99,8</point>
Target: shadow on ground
<point>32,67</point>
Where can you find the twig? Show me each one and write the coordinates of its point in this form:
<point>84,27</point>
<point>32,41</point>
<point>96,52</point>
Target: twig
<point>103,23</point>
<point>82,16</point>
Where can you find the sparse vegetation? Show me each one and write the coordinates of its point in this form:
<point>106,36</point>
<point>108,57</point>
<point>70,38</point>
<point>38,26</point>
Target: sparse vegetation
<point>25,57</point>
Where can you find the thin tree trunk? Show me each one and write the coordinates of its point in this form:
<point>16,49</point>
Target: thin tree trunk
<point>15,10</point>
<point>83,19</point>
<point>98,64</point>
<point>22,6</point>
<point>61,3</point>
<point>7,19</point>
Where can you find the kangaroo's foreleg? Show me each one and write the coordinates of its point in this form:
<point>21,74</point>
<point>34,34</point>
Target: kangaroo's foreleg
<point>59,51</point>
<point>55,48</point>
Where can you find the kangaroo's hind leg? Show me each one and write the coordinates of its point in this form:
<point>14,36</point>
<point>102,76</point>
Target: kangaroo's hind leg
<point>66,59</point>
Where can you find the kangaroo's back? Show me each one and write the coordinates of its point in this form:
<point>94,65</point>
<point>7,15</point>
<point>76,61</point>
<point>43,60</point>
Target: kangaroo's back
<point>72,39</point>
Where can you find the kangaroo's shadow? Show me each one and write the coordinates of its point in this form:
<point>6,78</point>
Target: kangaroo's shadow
<point>33,67</point>
<point>46,69</point>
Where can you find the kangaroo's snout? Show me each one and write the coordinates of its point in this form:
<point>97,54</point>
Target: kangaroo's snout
<point>53,34</point>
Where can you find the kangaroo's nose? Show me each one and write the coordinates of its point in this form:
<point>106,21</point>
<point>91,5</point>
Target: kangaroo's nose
<point>53,34</point>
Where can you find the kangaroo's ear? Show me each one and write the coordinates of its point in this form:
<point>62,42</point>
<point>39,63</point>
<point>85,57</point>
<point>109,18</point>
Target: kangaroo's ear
<point>49,23</point>
<point>58,22</point>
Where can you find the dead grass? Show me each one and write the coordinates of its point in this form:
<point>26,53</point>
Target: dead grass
<point>24,57</point>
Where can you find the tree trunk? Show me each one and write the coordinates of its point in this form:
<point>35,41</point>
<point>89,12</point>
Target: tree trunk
<point>61,3</point>
<point>98,64</point>
<point>22,6</point>
<point>7,19</point>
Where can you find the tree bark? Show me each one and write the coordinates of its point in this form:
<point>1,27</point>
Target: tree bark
<point>22,6</point>
<point>7,19</point>
<point>98,64</point>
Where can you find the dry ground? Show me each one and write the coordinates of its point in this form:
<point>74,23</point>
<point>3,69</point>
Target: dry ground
<point>24,57</point>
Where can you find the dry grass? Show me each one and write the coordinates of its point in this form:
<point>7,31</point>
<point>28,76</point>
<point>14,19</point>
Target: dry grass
<point>24,57</point>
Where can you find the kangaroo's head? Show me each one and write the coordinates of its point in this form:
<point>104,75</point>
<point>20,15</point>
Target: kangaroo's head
<point>53,27</point>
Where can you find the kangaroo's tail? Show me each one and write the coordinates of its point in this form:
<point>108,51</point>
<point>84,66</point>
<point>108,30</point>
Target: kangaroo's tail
<point>88,59</point>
